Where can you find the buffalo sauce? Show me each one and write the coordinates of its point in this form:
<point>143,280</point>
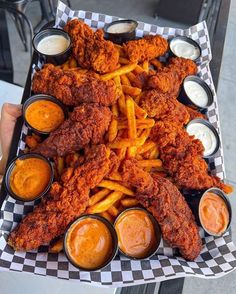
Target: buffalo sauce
<point>44,115</point>
<point>136,233</point>
<point>213,213</point>
<point>89,243</point>
<point>30,177</point>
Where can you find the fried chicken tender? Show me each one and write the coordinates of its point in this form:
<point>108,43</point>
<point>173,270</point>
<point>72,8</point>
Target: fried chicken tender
<point>162,107</point>
<point>72,87</point>
<point>146,48</point>
<point>169,79</point>
<point>64,203</point>
<point>182,157</point>
<point>90,49</point>
<point>86,124</point>
<point>168,206</point>
<point>160,101</point>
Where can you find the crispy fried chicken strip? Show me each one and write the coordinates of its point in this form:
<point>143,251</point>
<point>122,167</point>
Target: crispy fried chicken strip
<point>146,48</point>
<point>90,49</point>
<point>169,79</point>
<point>160,101</point>
<point>74,87</point>
<point>86,124</point>
<point>168,206</point>
<point>162,107</point>
<point>182,157</point>
<point>63,204</point>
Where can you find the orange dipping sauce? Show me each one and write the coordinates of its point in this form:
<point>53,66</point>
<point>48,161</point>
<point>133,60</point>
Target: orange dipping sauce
<point>44,115</point>
<point>89,243</point>
<point>136,233</point>
<point>30,177</point>
<point>213,213</point>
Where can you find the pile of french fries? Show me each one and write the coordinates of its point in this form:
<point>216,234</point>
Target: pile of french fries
<point>128,137</point>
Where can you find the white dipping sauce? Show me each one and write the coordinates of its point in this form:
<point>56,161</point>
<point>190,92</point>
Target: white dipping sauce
<point>205,135</point>
<point>184,49</point>
<point>53,45</point>
<point>119,28</point>
<point>196,93</point>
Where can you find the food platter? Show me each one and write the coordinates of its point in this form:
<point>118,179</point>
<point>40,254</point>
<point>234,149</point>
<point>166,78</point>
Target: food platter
<point>218,254</point>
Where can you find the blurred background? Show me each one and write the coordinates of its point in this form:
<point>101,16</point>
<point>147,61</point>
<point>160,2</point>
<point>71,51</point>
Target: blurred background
<point>20,19</point>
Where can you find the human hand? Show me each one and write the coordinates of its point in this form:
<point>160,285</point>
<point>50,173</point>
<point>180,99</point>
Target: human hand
<point>9,115</point>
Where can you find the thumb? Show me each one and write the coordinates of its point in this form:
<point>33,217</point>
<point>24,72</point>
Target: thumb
<point>11,111</point>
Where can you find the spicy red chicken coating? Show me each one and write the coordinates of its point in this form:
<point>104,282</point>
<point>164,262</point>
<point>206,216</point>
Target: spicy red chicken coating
<point>146,48</point>
<point>90,49</point>
<point>74,87</point>
<point>63,204</point>
<point>86,124</point>
<point>169,79</point>
<point>182,157</point>
<point>168,206</point>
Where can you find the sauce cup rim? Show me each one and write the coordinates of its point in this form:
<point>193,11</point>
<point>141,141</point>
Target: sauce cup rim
<point>156,228</point>
<point>212,128</point>
<point>204,85</point>
<point>113,235</point>
<point>38,97</point>
<point>120,21</point>
<point>221,194</point>
<point>189,40</point>
<point>10,168</point>
<point>37,35</point>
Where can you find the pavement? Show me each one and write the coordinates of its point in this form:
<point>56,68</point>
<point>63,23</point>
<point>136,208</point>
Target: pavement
<point>144,11</point>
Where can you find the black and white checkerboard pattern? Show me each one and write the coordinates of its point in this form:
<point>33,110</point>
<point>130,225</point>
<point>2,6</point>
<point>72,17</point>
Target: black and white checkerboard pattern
<point>218,255</point>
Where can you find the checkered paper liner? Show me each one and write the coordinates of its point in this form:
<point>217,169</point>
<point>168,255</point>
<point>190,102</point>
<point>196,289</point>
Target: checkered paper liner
<point>218,256</point>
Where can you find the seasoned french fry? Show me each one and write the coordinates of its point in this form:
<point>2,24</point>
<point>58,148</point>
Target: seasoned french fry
<point>57,246</point>
<point>129,202</point>
<point>120,49</point>
<point>98,196</point>
<point>126,142</point>
<point>115,110</point>
<point>132,132</point>
<point>31,141</point>
<point>146,66</point>
<point>154,153</point>
<point>113,211</point>
<point>112,131</point>
<point>72,159</point>
<point>156,63</point>
<point>121,99</point>
<point>106,203</point>
<point>120,71</point>
<point>140,124</point>
<point>107,216</point>
<point>59,164</point>
<point>132,91</point>
<point>146,146</point>
<point>131,76</point>
<point>131,152</point>
<point>65,65</point>
<point>125,80</point>
<point>122,104</point>
<point>121,153</point>
<point>115,186</point>
<point>138,69</point>
<point>123,60</point>
<point>150,163</point>
<point>72,63</point>
<point>140,113</point>
<point>115,176</point>
<point>67,174</point>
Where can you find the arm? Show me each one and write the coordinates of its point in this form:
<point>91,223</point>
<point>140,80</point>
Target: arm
<point>9,115</point>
